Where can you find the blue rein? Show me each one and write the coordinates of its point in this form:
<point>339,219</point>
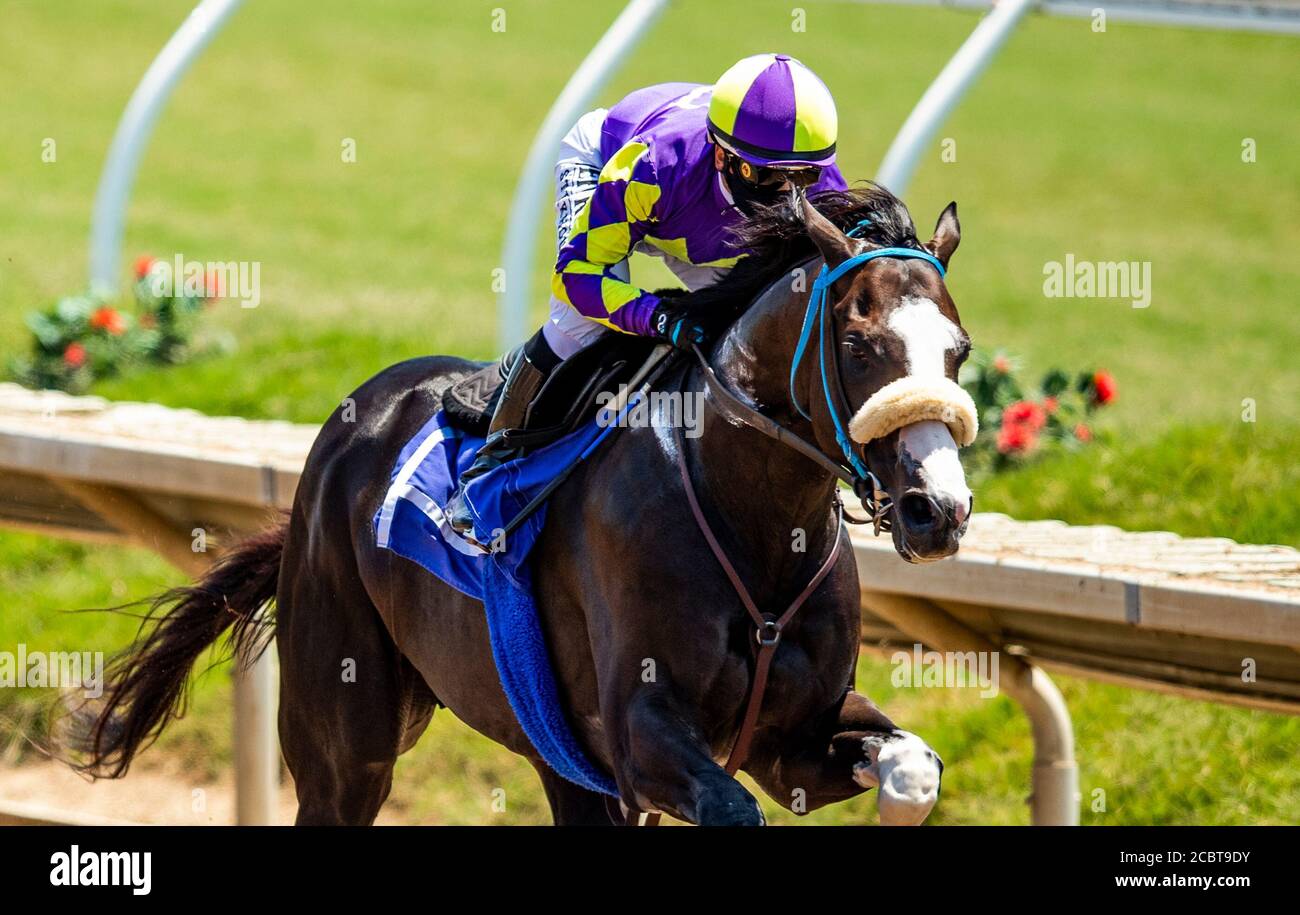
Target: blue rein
<point>817,305</point>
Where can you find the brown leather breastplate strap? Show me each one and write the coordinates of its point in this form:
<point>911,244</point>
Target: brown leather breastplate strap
<point>767,626</point>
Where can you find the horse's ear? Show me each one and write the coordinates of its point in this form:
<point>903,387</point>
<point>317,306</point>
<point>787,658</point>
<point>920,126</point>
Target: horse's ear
<point>947,234</point>
<point>834,245</point>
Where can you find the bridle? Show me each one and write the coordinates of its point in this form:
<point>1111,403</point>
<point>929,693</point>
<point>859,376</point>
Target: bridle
<point>851,469</point>
<point>768,626</point>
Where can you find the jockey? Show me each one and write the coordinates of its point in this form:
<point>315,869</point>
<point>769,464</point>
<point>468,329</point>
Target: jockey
<point>667,172</point>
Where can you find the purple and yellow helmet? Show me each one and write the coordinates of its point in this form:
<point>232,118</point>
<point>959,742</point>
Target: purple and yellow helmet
<point>771,110</point>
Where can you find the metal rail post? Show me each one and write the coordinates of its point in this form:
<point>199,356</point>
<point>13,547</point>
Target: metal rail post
<point>257,755</point>
<point>1054,798</point>
<point>958,75</point>
<point>257,747</point>
<point>521,230</point>
<point>133,132</point>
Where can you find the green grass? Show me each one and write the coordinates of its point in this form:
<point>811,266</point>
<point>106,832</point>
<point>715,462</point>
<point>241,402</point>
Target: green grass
<point>1117,146</point>
<point>1204,481</point>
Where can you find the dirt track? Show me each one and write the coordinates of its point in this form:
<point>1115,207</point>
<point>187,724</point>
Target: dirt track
<point>149,796</point>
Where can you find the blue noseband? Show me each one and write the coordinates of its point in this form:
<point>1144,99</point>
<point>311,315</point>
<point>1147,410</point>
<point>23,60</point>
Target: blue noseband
<point>817,312</point>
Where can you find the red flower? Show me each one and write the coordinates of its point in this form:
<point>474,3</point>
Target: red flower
<point>1083,433</point>
<point>108,319</point>
<point>143,264</point>
<point>1104,388</point>
<point>1025,413</point>
<point>1051,404</point>
<point>74,356</point>
<point>213,285</point>
<point>1002,364</point>
<point>1016,438</point>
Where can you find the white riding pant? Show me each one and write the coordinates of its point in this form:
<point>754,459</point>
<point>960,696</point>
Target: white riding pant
<point>576,174</point>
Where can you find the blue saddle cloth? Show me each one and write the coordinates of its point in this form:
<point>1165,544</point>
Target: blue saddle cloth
<point>411,524</point>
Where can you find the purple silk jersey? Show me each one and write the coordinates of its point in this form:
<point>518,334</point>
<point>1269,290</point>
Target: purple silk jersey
<point>658,193</point>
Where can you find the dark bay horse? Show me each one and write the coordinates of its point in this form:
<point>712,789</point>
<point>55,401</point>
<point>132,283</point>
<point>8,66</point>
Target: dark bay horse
<point>625,583</point>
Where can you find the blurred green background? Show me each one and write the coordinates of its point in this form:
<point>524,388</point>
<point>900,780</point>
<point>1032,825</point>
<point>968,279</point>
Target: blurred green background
<point>1122,145</point>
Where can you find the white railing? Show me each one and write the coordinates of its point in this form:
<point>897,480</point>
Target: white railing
<point>1148,610</point>
<point>946,91</point>
<point>1279,17</point>
<point>535,179</point>
<point>132,135</point>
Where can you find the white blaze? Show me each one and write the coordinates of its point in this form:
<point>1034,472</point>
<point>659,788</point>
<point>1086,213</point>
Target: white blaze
<point>928,337</point>
<point>931,445</point>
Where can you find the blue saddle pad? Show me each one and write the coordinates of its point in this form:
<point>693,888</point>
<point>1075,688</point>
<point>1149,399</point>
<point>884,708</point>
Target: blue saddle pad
<point>411,523</point>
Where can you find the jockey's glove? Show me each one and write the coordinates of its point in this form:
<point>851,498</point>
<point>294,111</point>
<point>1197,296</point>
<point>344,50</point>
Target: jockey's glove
<point>675,325</point>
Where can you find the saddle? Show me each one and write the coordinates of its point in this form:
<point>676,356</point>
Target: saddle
<point>567,400</point>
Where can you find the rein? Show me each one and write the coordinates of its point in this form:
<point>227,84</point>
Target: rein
<point>852,470</point>
<point>867,488</point>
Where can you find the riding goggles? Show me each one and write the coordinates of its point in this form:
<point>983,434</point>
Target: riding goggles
<point>769,176</point>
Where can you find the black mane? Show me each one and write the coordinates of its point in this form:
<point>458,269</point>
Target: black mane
<point>776,241</point>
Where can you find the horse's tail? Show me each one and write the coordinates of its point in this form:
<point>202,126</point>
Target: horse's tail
<point>146,686</point>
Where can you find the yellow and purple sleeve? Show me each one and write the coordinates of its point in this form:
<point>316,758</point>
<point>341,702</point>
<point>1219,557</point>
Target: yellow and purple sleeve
<point>609,226</point>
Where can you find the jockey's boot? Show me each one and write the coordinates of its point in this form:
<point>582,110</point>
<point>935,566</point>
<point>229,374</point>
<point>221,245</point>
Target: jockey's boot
<point>521,386</point>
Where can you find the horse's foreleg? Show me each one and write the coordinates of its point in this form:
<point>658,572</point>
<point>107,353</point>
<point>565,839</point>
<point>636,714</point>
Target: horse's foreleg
<point>853,748</point>
<point>572,805</point>
<point>664,764</point>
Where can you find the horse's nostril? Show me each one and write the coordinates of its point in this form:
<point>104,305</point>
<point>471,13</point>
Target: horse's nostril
<point>918,511</point>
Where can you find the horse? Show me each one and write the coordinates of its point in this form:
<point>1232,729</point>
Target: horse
<point>652,647</point>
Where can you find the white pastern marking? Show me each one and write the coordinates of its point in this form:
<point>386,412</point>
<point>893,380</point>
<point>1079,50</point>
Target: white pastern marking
<point>927,335</point>
<point>931,445</point>
<point>906,773</point>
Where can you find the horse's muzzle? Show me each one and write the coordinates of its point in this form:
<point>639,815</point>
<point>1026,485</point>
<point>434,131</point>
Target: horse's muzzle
<point>934,417</point>
<point>928,525</point>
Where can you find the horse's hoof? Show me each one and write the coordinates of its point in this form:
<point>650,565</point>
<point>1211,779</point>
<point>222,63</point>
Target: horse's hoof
<point>906,772</point>
<point>731,812</point>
